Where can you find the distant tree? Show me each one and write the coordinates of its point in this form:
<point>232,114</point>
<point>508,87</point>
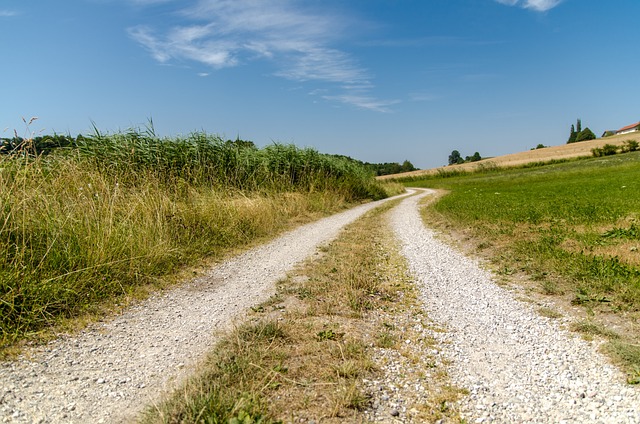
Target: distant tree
<point>390,168</point>
<point>540,146</point>
<point>455,158</point>
<point>579,126</point>
<point>475,158</point>
<point>585,135</point>
<point>572,135</point>
<point>407,166</point>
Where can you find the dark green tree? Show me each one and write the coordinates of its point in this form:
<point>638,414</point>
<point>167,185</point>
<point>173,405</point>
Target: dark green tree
<point>475,158</point>
<point>579,126</point>
<point>585,135</point>
<point>455,158</point>
<point>407,166</point>
<point>572,135</point>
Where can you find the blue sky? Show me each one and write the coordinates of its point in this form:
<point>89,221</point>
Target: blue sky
<point>378,80</point>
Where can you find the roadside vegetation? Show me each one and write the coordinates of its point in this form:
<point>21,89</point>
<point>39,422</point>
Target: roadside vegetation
<point>572,227</point>
<point>303,356</point>
<point>103,218</point>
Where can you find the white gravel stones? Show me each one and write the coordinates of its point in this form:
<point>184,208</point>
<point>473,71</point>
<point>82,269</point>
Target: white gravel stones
<point>517,365</point>
<point>112,370</point>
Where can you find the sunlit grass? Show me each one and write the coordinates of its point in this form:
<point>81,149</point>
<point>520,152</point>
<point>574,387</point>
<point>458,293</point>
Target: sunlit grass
<point>572,227</point>
<point>92,223</point>
<point>564,219</point>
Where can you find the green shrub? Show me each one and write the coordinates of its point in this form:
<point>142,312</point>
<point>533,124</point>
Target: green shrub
<point>606,150</point>
<point>630,146</point>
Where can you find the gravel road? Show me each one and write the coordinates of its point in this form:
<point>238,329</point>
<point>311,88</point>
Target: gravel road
<point>111,370</point>
<point>518,366</point>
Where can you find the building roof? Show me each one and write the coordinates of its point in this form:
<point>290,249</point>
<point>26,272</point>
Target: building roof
<point>628,127</point>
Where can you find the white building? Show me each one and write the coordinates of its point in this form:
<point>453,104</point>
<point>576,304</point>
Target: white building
<point>629,128</point>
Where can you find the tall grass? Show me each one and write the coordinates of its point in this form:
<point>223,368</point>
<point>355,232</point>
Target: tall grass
<point>202,159</point>
<point>88,224</point>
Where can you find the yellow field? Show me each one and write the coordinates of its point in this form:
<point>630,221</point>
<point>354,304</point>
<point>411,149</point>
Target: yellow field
<point>565,151</point>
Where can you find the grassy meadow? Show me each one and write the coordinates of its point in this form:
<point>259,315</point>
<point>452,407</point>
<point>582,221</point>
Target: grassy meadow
<point>574,227</point>
<point>89,225</point>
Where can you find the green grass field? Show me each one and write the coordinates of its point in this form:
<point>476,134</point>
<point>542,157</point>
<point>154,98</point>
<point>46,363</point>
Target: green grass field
<point>573,227</point>
<point>574,222</point>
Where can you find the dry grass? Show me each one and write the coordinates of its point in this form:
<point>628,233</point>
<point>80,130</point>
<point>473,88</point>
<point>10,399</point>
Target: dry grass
<point>553,153</point>
<point>312,368</point>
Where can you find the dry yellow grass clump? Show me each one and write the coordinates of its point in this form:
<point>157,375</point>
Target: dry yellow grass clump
<point>565,151</point>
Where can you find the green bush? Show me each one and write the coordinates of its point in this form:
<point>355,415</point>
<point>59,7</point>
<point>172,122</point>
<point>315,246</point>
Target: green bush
<point>630,146</point>
<point>606,150</point>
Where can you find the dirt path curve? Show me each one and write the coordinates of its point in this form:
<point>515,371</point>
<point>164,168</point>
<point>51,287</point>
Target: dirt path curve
<point>517,365</point>
<point>112,370</point>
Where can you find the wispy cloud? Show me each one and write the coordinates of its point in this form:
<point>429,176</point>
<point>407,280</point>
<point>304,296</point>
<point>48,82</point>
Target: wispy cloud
<point>364,102</point>
<point>7,13</point>
<point>537,5</point>
<point>297,40</point>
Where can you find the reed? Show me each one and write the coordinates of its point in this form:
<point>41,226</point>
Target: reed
<point>92,223</point>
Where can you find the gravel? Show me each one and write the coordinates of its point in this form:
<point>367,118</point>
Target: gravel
<point>517,365</point>
<point>112,370</point>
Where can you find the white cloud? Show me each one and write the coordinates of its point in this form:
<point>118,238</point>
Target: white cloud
<point>7,13</point>
<point>537,5</point>
<point>364,102</point>
<point>228,33</point>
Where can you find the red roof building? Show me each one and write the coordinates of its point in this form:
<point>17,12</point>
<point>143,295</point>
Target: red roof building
<point>629,128</point>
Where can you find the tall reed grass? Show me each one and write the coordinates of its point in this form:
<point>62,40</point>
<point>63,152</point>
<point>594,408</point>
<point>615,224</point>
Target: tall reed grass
<point>87,224</point>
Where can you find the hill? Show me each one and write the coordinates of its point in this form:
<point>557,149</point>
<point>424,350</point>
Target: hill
<point>565,151</point>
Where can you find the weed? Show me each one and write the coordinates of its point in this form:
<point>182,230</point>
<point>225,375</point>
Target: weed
<point>631,233</point>
<point>551,288</point>
<point>385,339</point>
<point>634,375</point>
<point>549,313</point>
<point>329,334</point>
<point>593,329</point>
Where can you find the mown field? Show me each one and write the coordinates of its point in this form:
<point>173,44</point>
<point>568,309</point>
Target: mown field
<point>573,227</point>
<point>87,226</point>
